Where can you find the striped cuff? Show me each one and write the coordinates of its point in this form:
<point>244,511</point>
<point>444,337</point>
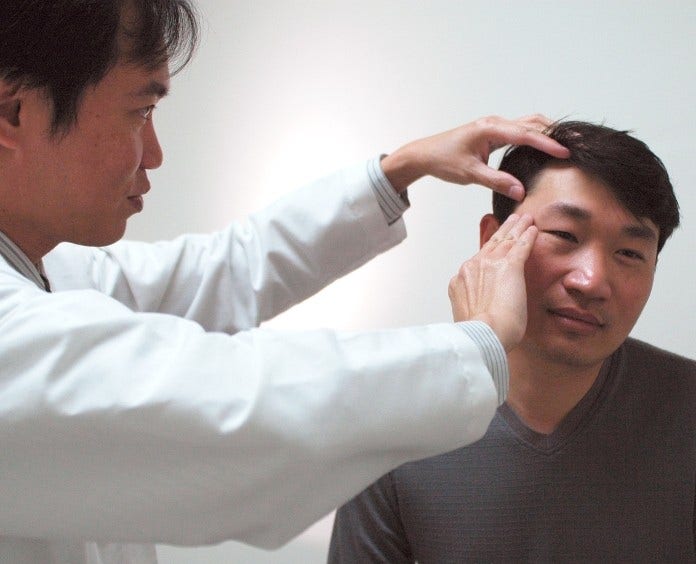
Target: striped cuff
<point>493,354</point>
<point>392,203</point>
<point>21,263</point>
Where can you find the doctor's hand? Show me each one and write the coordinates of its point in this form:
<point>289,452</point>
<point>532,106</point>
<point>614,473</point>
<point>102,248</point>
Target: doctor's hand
<point>461,155</point>
<point>490,287</point>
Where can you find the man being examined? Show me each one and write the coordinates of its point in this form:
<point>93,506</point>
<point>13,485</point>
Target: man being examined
<point>593,455</point>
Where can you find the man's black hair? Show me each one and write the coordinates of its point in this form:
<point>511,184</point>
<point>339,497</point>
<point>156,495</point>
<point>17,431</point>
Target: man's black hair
<point>634,174</point>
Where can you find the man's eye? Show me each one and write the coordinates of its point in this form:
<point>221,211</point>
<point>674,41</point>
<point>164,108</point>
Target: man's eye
<point>563,235</point>
<point>146,113</point>
<point>633,255</point>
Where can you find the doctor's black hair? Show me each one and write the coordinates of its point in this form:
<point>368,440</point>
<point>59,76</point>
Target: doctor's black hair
<point>64,46</point>
<point>634,174</point>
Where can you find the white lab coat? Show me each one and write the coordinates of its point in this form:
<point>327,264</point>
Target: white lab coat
<point>138,404</point>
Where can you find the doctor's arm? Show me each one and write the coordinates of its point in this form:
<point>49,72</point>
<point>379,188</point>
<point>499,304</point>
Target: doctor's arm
<point>145,428</point>
<point>255,269</point>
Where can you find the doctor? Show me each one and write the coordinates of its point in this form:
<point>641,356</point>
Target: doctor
<point>139,402</point>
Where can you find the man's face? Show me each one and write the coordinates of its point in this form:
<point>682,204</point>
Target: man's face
<point>83,186</point>
<point>590,272</point>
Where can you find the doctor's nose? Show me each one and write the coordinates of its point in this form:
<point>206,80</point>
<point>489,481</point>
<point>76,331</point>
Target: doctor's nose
<point>152,151</point>
<point>589,275</point>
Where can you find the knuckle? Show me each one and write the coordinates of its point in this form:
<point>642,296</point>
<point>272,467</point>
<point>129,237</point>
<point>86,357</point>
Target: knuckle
<point>488,122</point>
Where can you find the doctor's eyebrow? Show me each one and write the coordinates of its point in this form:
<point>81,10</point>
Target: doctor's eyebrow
<point>636,231</point>
<point>152,88</point>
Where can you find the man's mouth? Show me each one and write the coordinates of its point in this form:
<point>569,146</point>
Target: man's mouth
<point>578,317</point>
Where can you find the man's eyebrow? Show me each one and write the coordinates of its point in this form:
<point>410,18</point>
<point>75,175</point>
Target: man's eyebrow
<point>640,232</point>
<point>572,211</point>
<point>152,88</point>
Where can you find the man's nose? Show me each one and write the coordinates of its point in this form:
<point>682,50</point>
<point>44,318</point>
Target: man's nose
<point>152,151</point>
<point>590,274</point>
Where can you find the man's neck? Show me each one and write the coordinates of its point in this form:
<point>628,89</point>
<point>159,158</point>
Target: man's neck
<point>542,393</point>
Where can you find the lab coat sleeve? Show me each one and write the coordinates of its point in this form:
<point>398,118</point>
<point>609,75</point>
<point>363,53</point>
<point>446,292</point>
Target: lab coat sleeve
<point>237,278</point>
<point>142,427</point>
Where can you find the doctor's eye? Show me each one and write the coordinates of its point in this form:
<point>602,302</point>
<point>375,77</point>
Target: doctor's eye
<point>146,113</point>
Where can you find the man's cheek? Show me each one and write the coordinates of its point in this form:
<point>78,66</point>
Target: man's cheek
<point>536,263</point>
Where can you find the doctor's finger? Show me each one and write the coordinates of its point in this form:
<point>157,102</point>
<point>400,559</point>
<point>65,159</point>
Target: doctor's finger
<point>521,249</point>
<point>508,234</point>
<point>521,133</point>
<point>539,121</point>
<point>497,180</point>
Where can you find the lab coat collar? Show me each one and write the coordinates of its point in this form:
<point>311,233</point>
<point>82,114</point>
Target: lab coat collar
<point>19,261</point>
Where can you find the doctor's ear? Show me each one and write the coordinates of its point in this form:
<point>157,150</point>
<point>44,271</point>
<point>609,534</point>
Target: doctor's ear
<point>488,226</point>
<point>10,105</point>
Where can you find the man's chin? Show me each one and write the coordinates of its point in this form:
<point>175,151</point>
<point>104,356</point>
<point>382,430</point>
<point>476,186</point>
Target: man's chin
<point>572,354</point>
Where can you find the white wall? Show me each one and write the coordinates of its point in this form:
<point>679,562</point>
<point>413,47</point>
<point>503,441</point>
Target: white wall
<point>283,91</point>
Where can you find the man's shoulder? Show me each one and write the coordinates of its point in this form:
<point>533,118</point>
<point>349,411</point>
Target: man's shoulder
<point>658,376</point>
<point>640,353</point>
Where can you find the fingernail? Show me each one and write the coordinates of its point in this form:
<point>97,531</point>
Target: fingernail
<point>516,192</point>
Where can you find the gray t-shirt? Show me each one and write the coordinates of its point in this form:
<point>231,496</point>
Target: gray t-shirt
<point>615,482</point>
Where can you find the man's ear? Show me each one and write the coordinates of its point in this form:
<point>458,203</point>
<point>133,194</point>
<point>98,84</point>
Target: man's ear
<point>10,104</point>
<point>489,225</point>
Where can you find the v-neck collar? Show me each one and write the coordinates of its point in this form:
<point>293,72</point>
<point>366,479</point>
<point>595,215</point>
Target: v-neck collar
<point>572,423</point>
<point>19,261</point>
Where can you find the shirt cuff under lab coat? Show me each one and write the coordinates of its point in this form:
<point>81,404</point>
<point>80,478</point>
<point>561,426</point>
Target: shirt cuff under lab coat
<point>392,203</point>
<point>493,354</point>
